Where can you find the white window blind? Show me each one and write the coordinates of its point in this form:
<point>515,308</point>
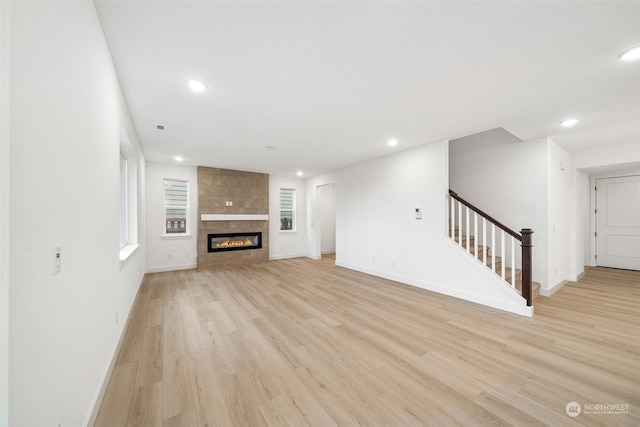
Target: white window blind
<point>287,209</point>
<point>176,205</point>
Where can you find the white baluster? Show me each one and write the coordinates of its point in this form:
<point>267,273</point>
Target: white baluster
<point>452,217</point>
<point>513,262</point>
<point>467,227</point>
<point>504,259</point>
<point>493,247</point>
<point>460,223</point>
<point>475,233</point>
<point>484,240</point>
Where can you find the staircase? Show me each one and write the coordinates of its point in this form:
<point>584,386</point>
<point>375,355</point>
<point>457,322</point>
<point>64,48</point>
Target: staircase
<point>487,259</point>
<point>494,245</point>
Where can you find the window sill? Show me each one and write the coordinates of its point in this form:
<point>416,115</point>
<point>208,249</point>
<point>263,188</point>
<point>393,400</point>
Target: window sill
<point>127,251</point>
<point>288,232</point>
<point>175,237</point>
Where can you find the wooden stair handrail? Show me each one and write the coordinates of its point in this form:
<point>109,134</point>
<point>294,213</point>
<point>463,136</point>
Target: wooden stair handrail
<point>486,215</point>
<point>526,244</point>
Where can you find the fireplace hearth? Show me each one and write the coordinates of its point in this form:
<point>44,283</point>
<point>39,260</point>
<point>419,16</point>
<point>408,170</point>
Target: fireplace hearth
<point>233,241</point>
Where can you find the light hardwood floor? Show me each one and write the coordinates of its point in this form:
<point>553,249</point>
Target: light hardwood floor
<point>300,342</point>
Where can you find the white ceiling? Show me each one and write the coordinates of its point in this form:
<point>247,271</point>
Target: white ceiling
<point>327,83</point>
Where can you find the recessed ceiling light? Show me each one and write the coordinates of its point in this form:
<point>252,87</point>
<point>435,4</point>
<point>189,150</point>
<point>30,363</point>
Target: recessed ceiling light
<point>299,173</point>
<point>178,158</point>
<point>631,54</point>
<point>392,142</point>
<point>196,85</point>
<point>569,122</point>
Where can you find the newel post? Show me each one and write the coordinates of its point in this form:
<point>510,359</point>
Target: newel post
<point>527,270</point>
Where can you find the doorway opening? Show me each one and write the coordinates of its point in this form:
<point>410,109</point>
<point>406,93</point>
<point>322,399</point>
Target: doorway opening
<point>327,220</point>
<point>617,222</point>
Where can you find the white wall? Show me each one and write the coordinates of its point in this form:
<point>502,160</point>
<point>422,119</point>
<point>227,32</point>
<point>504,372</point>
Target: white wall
<point>605,159</point>
<point>167,253</point>
<point>559,206</point>
<point>579,224</point>
<point>377,233</point>
<point>327,218</point>
<point>5,21</point>
<point>509,182</point>
<point>287,244</point>
<point>487,139</point>
<point>66,117</point>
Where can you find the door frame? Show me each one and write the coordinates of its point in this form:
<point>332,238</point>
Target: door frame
<point>592,183</point>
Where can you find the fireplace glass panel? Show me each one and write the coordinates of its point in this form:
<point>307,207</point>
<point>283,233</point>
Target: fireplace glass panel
<point>234,241</point>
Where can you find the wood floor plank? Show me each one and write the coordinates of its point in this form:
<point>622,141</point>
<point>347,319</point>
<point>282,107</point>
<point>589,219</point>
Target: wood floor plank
<point>146,406</point>
<point>150,372</point>
<point>301,342</point>
<point>116,403</point>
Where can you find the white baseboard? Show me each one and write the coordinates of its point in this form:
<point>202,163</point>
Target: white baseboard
<point>163,268</point>
<point>97,400</point>
<point>574,278</point>
<point>547,292</point>
<point>285,256</point>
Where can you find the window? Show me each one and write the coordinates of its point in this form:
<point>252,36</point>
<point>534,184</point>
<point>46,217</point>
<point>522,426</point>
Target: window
<point>128,198</point>
<point>287,209</point>
<point>124,202</point>
<point>176,206</point>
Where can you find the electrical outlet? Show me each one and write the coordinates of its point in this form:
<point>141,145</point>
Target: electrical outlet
<point>57,259</point>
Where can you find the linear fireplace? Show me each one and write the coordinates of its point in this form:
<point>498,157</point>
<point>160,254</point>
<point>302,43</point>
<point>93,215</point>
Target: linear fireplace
<point>233,241</point>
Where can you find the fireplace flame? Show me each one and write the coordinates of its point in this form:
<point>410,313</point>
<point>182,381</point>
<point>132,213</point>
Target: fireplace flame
<point>233,243</point>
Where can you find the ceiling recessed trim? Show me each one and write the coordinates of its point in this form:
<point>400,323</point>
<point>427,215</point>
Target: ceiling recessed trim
<point>569,123</point>
<point>630,54</point>
<point>196,85</point>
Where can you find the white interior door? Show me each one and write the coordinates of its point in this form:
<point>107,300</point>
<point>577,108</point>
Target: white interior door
<point>618,222</point>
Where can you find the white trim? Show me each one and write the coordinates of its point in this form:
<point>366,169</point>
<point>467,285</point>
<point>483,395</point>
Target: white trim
<point>576,278</point>
<point>547,292</point>
<point>163,268</point>
<point>233,217</point>
<point>126,251</point>
<point>176,236</point>
<point>97,399</point>
<point>592,182</point>
<point>286,256</point>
